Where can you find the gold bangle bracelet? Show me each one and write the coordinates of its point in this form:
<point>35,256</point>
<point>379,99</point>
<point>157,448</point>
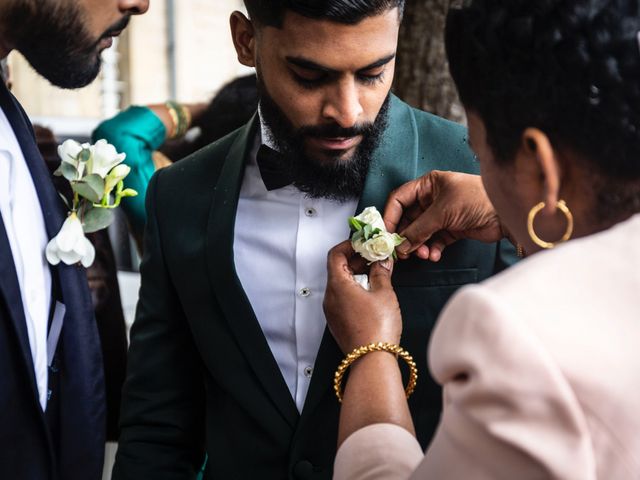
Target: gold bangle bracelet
<point>174,119</point>
<point>397,350</point>
<point>186,114</point>
<point>181,117</point>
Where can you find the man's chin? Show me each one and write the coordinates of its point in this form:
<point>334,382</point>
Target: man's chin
<point>72,76</point>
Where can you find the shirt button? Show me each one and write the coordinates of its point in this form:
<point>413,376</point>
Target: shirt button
<point>310,212</point>
<point>305,292</point>
<point>308,371</point>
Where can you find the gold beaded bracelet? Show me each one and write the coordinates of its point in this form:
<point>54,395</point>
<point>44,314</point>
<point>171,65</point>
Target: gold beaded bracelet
<point>397,350</point>
<point>180,116</point>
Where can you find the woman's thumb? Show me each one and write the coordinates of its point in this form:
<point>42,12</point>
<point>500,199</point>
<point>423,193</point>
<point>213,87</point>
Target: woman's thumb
<point>380,274</point>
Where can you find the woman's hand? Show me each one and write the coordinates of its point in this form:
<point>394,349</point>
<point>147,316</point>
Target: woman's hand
<point>438,209</point>
<point>356,316</point>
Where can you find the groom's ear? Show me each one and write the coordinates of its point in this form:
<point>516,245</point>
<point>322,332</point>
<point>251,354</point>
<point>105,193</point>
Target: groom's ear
<point>243,34</point>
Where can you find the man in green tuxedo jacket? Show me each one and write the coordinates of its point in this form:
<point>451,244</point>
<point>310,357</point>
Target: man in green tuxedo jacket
<point>229,353</point>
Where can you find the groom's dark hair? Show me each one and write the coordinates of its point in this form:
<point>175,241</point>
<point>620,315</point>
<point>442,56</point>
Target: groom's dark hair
<point>271,12</point>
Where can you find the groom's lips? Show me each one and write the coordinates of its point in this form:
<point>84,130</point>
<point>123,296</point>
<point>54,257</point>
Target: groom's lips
<point>335,143</point>
<point>116,29</point>
<point>106,43</point>
<point>107,39</point>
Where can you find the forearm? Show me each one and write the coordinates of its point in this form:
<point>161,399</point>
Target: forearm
<point>374,393</point>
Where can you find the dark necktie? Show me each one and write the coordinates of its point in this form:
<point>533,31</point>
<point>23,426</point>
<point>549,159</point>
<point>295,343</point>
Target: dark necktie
<point>273,169</point>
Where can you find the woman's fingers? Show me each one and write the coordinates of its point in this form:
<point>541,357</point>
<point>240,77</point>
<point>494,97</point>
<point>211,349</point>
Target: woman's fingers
<point>380,275</point>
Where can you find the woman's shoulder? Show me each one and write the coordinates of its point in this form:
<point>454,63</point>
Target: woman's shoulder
<point>573,286</point>
<point>552,296</point>
<point>602,264</point>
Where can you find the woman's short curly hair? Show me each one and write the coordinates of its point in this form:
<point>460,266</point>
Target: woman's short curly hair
<point>568,67</point>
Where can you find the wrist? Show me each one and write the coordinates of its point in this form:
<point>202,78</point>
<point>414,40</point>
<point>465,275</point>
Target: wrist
<point>369,340</point>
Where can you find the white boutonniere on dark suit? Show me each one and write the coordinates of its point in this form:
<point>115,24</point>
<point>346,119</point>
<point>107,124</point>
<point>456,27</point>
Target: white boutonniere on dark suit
<point>96,176</point>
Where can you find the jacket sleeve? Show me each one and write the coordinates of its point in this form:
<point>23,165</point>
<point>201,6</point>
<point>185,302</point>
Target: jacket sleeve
<point>162,419</point>
<point>508,410</point>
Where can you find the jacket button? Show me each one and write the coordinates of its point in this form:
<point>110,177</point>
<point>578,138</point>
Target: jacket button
<point>303,470</point>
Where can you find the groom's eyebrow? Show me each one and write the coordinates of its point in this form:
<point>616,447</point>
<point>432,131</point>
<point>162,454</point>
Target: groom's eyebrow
<point>311,65</point>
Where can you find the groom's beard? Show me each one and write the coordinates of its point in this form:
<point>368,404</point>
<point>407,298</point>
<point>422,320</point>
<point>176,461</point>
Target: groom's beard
<point>336,179</point>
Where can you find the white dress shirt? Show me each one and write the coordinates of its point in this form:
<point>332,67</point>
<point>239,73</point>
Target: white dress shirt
<point>24,223</point>
<point>280,250</point>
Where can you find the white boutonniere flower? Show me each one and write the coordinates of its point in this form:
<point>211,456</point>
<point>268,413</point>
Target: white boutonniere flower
<point>371,240</point>
<point>70,245</point>
<point>370,237</point>
<point>97,178</point>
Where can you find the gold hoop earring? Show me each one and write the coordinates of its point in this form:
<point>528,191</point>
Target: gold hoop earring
<point>562,206</point>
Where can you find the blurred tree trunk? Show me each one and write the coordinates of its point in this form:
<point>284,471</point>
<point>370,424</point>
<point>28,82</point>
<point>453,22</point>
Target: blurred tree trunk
<point>422,71</point>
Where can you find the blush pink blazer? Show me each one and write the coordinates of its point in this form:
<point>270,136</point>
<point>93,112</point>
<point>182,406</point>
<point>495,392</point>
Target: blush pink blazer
<point>540,369</point>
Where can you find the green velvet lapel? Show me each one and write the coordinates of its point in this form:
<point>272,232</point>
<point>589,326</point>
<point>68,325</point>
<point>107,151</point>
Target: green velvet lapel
<point>226,285</point>
<point>394,163</point>
<point>396,159</point>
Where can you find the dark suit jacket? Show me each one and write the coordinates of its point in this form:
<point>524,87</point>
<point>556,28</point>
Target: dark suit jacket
<point>200,373</point>
<point>68,442</point>
<point>105,293</point>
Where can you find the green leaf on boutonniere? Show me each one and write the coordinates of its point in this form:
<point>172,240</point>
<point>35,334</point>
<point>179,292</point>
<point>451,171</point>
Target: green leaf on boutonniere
<point>368,231</point>
<point>90,187</point>
<point>355,224</point>
<point>96,219</point>
<point>67,171</point>
<point>84,155</point>
<point>397,239</point>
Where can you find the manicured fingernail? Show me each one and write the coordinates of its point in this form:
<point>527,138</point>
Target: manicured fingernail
<point>404,247</point>
<point>386,264</point>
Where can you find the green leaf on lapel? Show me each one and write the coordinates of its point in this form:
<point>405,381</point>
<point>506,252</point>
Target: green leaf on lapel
<point>90,187</point>
<point>84,155</point>
<point>96,219</point>
<point>398,239</point>
<point>67,171</point>
<point>355,224</point>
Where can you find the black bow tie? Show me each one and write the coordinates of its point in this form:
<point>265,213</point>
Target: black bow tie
<point>273,168</point>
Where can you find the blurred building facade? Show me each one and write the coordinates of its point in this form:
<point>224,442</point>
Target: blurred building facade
<point>179,50</point>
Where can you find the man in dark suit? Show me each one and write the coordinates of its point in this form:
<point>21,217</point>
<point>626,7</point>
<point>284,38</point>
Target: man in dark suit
<point>229,353</point>
<point>52,404</point>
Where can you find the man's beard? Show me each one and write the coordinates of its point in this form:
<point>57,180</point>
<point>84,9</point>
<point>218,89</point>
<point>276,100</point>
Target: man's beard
<point>334,178</point>
<point>57,44</point>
